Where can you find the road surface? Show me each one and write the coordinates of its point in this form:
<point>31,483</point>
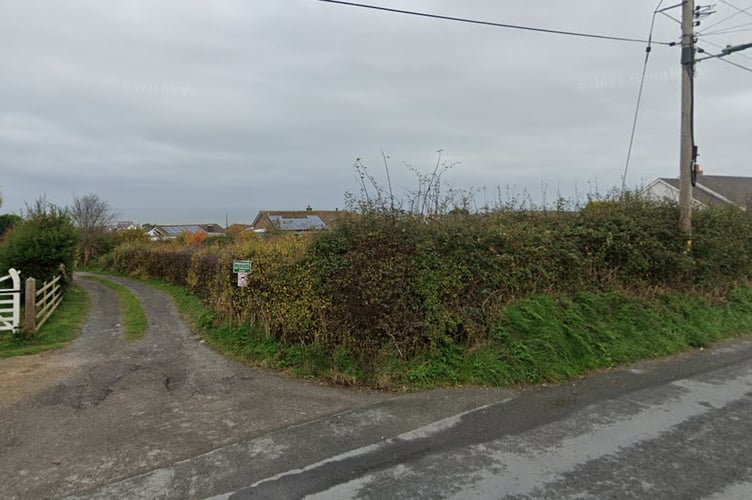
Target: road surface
<point>167,418</point>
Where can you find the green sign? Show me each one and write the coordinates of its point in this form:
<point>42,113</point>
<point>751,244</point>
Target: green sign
<point>241,266</point>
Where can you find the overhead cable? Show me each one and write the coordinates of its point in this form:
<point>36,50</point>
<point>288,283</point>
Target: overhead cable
<point>720,21</point>
<point>731,29</point>
<point>745,68</point>
<point>639,98</point>
<point>739,10</point>
<point>719,46</point>
<point>722,57</point>
<point>495,24</point>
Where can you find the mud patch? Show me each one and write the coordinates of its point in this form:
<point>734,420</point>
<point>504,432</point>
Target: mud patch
<point>78,396</point>
<point>24,377</point>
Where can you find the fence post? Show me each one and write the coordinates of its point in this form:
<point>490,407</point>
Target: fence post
<point>30,318</point>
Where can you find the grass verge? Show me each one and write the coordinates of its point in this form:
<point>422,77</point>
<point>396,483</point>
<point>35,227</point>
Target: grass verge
<point>62,327</point>
<point>546,339</point>
<point>134,317</point>
<point>543,339</point>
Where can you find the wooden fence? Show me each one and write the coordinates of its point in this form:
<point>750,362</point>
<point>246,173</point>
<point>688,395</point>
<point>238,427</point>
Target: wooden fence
<point>40,304</point>
<point>10,302</point>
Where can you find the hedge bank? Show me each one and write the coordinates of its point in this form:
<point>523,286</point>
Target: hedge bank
<point>392,288</point>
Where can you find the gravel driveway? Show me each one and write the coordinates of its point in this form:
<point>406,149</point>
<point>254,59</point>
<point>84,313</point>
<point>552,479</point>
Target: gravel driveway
<point>104,409</point>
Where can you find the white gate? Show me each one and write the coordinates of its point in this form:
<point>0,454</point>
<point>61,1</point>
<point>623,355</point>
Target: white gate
<point>10,302</point>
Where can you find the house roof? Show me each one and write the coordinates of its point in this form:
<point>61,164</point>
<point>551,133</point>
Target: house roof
<point>719,189</point>
<point>177,230</point>
<point>238,228</point>
<point>297,220</point>
<point>306,223</point>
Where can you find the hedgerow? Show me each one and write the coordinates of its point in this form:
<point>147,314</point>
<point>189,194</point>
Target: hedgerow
<point>388,284</point>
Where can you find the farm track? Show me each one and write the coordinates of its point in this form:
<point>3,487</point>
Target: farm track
<point>104,409</point>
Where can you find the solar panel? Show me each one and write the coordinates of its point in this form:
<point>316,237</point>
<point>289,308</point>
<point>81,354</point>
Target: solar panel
<point>178,230</point>
<point>306,223</point>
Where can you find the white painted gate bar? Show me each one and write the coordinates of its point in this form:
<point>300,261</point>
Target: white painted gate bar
<point>10,302</point>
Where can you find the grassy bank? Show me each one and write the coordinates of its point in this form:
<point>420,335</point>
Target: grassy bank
<point>134,317</point>
<point>63,326</point>
<point>542,339</point>
<point>548,340</point>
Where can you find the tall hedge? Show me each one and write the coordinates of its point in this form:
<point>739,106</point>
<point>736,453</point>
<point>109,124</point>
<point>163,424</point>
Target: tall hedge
<point>395,283</point>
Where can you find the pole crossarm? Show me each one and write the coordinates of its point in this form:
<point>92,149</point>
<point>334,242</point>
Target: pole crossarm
<point>730,49</point>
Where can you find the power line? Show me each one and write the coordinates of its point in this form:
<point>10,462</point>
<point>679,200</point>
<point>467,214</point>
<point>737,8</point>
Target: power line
<point>731,29</point>
<point>721,57</point>
<point>729,32</point>
<point>719,46</point>
<point>740,11</point>
<point>494,24</point>
<point>736,64</point>
<point>639,98</point>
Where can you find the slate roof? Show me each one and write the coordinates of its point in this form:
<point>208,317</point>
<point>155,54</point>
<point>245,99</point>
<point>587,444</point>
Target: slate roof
<point>296,220</point>
<point>176,230</point>
<point>719,189</point>
<point>307,223</point>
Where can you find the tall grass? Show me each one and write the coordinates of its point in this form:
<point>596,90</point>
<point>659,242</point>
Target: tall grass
<point>545,339</point>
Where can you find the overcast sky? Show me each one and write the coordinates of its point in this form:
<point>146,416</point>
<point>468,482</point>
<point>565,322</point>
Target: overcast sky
<point>189,111</point>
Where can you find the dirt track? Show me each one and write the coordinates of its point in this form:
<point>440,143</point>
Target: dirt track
<point>103,409</point>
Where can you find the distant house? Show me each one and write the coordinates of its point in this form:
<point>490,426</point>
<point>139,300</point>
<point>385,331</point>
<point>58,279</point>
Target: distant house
<point>123,225</point>
<point>298,221</point>
<point>238,228</point>
<point>172,232</point>
<point>709,190</point>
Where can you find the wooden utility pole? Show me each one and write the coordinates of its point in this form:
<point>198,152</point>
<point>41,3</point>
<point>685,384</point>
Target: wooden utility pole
<point>686,156</point>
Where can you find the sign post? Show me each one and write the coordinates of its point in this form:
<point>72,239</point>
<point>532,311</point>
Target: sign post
<point>242,268</point>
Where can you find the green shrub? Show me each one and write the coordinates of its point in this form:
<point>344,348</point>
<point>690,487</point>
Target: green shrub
<point>387,285</point>
<point>159,260</point>
<point>7,222</point>
<point>632,243</point>
<point>722,246</point>
<point>40,244</point>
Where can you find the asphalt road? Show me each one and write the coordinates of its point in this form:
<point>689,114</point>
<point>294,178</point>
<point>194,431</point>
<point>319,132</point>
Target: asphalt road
<point>677,428</point>
<point>171,419</point>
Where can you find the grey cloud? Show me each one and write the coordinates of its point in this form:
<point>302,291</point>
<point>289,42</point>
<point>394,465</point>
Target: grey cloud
<point>185,111</point>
